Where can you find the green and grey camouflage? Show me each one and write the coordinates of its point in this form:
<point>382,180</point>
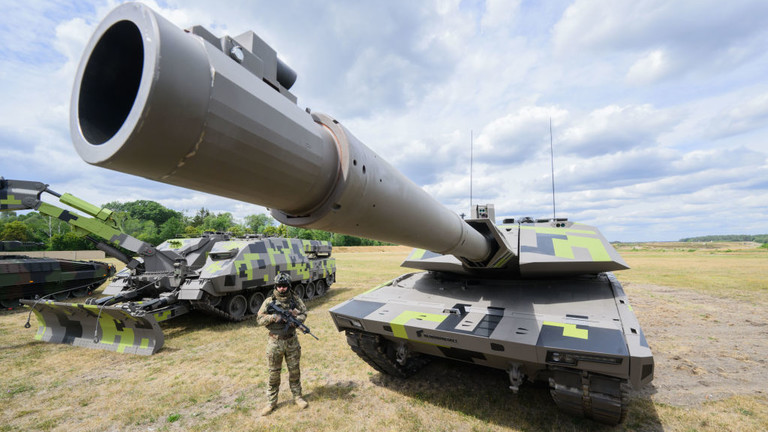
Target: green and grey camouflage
<point>24,277</point>
<point>216,274</point>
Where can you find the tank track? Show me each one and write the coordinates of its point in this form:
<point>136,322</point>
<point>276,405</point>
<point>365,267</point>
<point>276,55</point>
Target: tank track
<point>381,355</point>
<point>214,311</point>
<point>599,397</point>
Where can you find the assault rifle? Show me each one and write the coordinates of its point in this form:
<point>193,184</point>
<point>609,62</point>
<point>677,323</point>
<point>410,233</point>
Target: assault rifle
<point>290,319</point>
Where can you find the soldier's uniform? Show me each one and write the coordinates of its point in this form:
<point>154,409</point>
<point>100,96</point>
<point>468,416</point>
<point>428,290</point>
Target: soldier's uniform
<point>282,342</point>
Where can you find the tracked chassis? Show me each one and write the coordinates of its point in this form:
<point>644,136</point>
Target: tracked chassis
<point>579,334</point>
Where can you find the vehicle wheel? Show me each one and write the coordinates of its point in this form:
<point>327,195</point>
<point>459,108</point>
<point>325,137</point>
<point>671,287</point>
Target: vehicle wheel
<point>61,296</point>
<point>299,290</point>
<point>213,300</point>
<point>320,288</point>
<point>10,303</point>
<point>330,280</point>
<point>254,302</point>
<point>310,294</point>
<point>236,306</point>
<point>81,292</point>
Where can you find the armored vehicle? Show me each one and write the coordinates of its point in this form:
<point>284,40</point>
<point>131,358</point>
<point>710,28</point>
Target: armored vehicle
<point>24,277</point>
<point>534,299</point>
<point>16,246</point>
<point>214,273</point>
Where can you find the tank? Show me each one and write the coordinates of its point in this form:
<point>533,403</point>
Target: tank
<point>214,274</point>
<point>25,277</point>
<point>231,277</point>
<point>241,272</point>
<point>535,299</point>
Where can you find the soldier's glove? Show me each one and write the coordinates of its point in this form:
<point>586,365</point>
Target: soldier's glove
<point>276,318</point>
<point>295,312</point>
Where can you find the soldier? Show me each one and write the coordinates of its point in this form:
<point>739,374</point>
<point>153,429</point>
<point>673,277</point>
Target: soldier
<point>282,341</point>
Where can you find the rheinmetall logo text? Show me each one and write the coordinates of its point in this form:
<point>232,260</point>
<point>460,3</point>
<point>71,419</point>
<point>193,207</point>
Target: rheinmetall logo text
<point>420,333</point>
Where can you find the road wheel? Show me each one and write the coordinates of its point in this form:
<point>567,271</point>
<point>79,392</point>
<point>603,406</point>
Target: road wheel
<point>299,290</point>
<point>310,290</point>
<point>320,288</point>
<point>254,302</point>
<point>61,296</point>
<point>81,292</point>
<point>10,303</point>
<point>236,306</point>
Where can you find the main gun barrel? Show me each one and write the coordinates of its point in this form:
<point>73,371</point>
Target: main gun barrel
<point>216,115</point>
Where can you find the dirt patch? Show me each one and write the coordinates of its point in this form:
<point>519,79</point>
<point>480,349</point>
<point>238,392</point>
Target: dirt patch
<point>704,347</point>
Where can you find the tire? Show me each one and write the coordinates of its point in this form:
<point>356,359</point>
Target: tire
<point>299,289</point>
<point>236,305</point>
<point>310,293</point>
<point>254,302</point>
<point>320,288</point>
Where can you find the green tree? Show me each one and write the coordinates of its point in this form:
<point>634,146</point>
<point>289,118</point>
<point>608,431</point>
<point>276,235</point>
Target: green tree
<point>70,241</point>
<point>276,231</point>
<point>256,223</point>
<point>191,231</point>
<point>145,210</point>
<point>171,228</point>
<point>219,222</point>
<point>15,230</point>
<point>198,219</point>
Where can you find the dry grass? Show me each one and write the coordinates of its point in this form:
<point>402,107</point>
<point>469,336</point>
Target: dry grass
<point>735,270</point>
<point>212,376</point>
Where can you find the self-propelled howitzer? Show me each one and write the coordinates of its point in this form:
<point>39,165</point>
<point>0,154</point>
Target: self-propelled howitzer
<point>217,115</point>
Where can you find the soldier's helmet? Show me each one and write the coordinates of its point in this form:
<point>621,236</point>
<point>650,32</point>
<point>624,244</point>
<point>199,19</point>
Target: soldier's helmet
<point>282,279</point>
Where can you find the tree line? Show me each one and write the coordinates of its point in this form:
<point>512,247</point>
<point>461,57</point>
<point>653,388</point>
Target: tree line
<point>759,238</point>
<point>154,223</point>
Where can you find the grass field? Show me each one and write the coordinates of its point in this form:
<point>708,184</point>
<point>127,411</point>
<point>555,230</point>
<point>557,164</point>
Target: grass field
<point>212,376</point>
<point>734,270</point>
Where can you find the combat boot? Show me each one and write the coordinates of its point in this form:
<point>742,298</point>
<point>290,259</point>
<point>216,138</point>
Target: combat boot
<point>268,409</point>
<point>300,402</point>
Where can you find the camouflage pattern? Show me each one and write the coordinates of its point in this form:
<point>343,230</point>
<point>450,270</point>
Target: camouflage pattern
<point>246,264</point>
<point>214,273</point>
<point>23,277</point>
<point>282,343</point>
<point>15,246</point>
<point>101,327</point>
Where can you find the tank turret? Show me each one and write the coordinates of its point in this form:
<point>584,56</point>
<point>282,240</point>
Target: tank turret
<point>187,108</point>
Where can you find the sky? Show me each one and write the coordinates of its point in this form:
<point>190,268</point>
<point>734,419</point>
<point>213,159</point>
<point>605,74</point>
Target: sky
<point>659,109</point>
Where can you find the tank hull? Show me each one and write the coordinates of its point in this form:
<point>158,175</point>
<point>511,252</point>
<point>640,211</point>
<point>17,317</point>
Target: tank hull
<point>551,330</point>
<point>23,277</point>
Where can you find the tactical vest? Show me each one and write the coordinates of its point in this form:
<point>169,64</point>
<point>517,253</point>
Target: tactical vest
<point>281,328</point>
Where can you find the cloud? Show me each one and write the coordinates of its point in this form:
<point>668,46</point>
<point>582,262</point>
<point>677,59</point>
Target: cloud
<point>659,109</point>
<point>664,39</point>
<point>748,115</point>
<point>615,128</point>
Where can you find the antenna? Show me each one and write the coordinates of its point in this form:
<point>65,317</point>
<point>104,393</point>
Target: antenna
<point>552,164</point>
<point>471,156</point>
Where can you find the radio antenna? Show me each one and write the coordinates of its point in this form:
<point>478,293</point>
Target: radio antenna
<point>552,165</point>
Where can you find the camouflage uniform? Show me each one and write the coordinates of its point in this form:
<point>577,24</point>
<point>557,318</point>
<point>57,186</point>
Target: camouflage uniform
<point>282,342</point>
